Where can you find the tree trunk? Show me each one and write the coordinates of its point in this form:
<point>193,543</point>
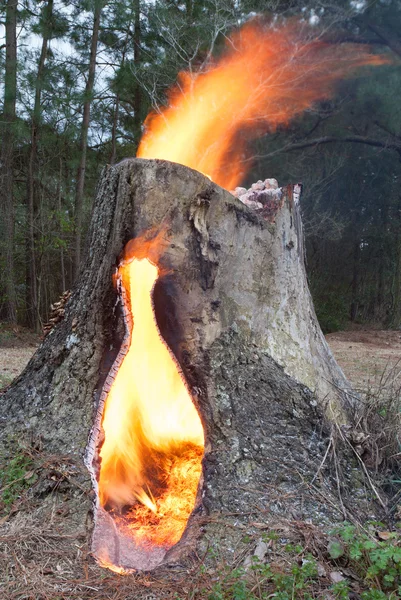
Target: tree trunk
<point>33,312</point>
<point>355,281</point>
<point>7,160</point>
<point>380,315</point>
<point>137,100</point>
<point>395,319</point>
<point>233,304</point>
<point>113,153</point>
<point>116,113</point>
<point>60,208</point>
<point>79,193</point>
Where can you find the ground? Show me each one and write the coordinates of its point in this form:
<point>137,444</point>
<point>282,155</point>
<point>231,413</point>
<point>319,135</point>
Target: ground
<point>369,358</point>
<point>16,348</point>
<point>46,557</point>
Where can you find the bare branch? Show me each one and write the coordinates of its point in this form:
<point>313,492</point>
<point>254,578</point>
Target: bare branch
<point>345,37</point>
<point>387,130</point>
<point>353,139</point>
<point>391,40</point>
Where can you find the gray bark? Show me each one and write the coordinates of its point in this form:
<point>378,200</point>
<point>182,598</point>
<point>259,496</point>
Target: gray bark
<point>79,192</point>
<point>239,302</point>
<point>33,203</point>
<point>7,160</point>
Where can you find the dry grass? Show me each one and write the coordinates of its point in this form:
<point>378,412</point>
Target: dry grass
<point>12,362</point>
<point>17,346</point>
<point>371,361</point>
<point>378,416</point>
<point>40,562</point>
<point>45,536</point>
<point>44,552</point>
<point>43,557</point>
<point>364,355</point>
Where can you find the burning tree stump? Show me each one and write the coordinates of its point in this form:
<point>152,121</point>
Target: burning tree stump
<point>232,305</point>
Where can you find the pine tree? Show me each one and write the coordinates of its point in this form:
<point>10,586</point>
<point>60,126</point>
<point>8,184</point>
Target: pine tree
<point>7,159</point>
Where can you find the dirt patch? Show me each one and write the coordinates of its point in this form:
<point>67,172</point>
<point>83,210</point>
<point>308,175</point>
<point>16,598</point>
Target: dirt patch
<point>14,336</point>
<point>44,552</point>
<point>370,359</point>
<point>17,345</point>
<point>12,362</point>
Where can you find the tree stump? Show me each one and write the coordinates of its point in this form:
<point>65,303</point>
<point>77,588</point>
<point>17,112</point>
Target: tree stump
<point>235,309</point>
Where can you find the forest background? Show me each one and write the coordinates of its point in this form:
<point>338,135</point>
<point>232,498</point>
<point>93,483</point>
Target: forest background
<point>77,80</point>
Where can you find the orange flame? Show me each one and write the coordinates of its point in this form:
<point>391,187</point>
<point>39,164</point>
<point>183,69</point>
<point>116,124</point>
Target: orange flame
<point>153,447</point>
<point>265,78</point>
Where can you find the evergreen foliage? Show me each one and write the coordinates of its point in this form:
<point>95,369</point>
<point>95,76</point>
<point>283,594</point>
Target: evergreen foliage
<point>352,200</point>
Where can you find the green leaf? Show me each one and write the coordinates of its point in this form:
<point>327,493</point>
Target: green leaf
<point>369,545</point>
<point>355,552</point>
<point>336,549</point>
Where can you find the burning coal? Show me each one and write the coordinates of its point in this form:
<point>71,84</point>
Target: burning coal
<point>265,78</point>
<point>153,437</point>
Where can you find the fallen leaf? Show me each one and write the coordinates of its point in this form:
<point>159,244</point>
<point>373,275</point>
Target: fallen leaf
<point>336,549</point>
<point>336,577</point>
<point>384,535</point>
<point>261,550</point>
<point>260,525</point>
<point>4,519</point>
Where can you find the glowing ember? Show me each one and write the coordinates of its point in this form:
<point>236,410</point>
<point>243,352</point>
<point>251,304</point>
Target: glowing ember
<point>151,456</point>
<point>265,78</point>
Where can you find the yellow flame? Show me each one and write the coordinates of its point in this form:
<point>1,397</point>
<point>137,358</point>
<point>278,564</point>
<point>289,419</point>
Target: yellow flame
<point>265,78</point>
<point>153,434</point>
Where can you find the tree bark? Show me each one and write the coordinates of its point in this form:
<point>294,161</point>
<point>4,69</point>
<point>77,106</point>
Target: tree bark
<point>7,159</point>
<point>395,319</point>
<point>355,280</point>
<point>262,290</point>
<point>113,153</point>
<point>137,101</point>
<point>60,208</point>
<point>79,193</point>
<point>33,308</point>
<point>233,304</point>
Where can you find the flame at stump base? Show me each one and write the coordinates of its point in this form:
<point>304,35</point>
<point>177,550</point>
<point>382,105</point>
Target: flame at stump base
<point>170,513</point>
<point>150,460</point>
<point>114,548</point>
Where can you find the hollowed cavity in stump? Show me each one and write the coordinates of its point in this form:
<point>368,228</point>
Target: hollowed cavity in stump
<point>150,443</point>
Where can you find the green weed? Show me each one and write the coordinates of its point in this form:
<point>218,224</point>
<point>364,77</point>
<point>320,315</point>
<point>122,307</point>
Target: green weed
<point>16,475</point>
<point>369,562</point>
<point>374,556</point>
